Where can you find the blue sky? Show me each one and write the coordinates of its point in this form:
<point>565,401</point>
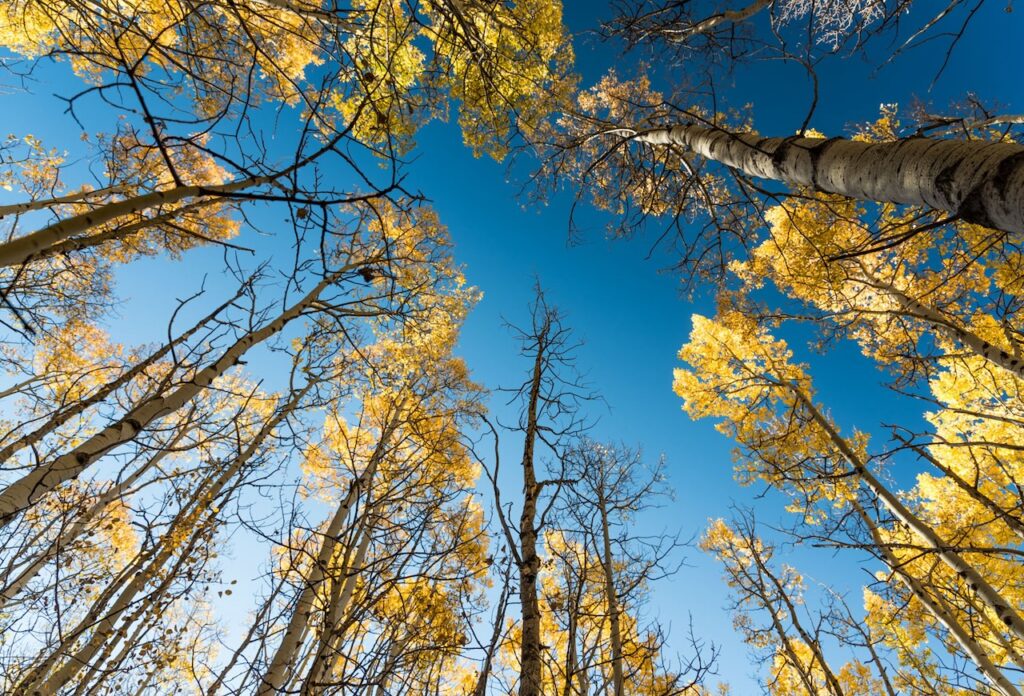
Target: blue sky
<point>631,316</point>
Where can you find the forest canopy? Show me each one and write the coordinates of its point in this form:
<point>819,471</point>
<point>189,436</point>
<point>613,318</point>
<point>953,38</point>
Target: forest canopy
<point>649,348</point>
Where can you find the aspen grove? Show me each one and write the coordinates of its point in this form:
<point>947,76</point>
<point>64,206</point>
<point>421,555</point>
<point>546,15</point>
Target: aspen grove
<point>320,377</point>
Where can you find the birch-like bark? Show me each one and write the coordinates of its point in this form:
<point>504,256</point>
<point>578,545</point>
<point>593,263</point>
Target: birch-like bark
<point>725,17</point>
<point>394,652</point>
<point>1014,522</point>
<point>1005,643</point>
<point>123,232</point>
<point>97,651</point>
<point>68,536</point>
<point>813,645</point>
<point>138,571</point>
<point>1003,610</point>
<point>189,516</point>
<point>276,675</point>
<point>341,596</point>
<point>29,206</point>
<point>22,249</point>
<point>257,625</point>
<point>806,678</point>
<point>978,182</point>
<point>530,682</point>
<point>993,354</point>
<point>104,627</point>
<point>22,493</point>
<point>937,608</point>
<point>63,416</point>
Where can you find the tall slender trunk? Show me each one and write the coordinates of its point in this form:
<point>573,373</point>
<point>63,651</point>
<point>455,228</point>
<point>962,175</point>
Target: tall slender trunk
<point>1014,522</point>
<point>978,182</point>
<point>68,536</point>
<point>22,249</point>
<point>940,611</point>
<point>530,681</point>
<point>876,659</point>
<point>803,672</point>
<point>189,520</point>
<point>277,671</point>
<point>572,660</point>
<point>976,344</point>
<point>813,645</point>
<point>22,493</point>
<point>395,651</point>
<point>1003,609</point>
<point>64,415</point>
<point>256,626</point>
<point>62,663</point>
<point>611,598</point>
<point>21,208</point>
<point>342,590</point>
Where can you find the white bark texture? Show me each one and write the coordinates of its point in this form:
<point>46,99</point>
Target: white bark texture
<point>930,539</point>
<point>941,613</point>
<point>77,196</point>
<point>63,416</point>
<point>979,182</point>
<point>67,537</point>
<point>725,17</point>
<point>22,493</point>
<point>277,671</point>
<point>994,354</point>
<point>102,620</point>
<point>22,249</point>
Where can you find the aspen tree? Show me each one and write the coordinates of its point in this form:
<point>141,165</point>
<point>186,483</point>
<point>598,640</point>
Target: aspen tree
<point>641,159</point>
<point>798,653</point>
<point>810,461</point>
<point>181,536</point>
<point>20,494</point>
<point>609,486</point>
<point>64,413</point>
<point>415,394</point>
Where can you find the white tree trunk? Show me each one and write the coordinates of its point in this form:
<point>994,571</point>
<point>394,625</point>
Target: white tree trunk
<point>63,416</point>
<point>25,491</point>
<point>22,249</point>
<point>68,536</point>
<point>941,612</point>
<point>979,182</point>
<point>1003,610</point>
<point>21,208</point>
<point>994,354</point>
<point>277,671</point>
<point>191,515</point>
<point>726,16</point>
<point>341,596</point>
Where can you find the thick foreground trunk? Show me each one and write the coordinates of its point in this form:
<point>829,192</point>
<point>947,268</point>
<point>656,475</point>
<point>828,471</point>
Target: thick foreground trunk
<point>979,182</point>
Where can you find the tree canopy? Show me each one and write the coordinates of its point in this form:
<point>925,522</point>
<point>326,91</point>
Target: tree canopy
<point>263,432</point>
